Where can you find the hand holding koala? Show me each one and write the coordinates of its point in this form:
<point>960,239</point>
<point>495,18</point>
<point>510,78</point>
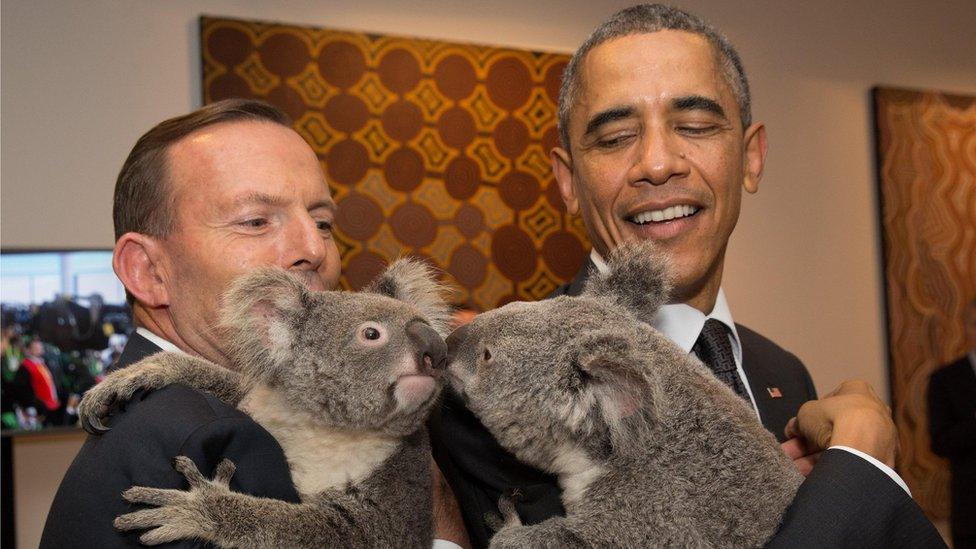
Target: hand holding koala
<point>650,449</point>
<point>342,380</point>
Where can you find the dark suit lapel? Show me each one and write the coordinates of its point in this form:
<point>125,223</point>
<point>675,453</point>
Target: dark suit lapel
<point>778,391</point>
<point>136,349</point>
<point>575,286</point>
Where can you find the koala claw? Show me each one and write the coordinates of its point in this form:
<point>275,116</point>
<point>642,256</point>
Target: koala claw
<point>507,515</point>
<point>94,426</point>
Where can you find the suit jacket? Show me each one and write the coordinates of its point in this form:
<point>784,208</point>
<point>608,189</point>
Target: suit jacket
<point>845,502</point>
<point>147,433</point>
<point>952,425</point>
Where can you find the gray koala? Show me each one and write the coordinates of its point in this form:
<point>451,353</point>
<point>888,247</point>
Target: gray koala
<point>649,448</point>
<point>343,381</point>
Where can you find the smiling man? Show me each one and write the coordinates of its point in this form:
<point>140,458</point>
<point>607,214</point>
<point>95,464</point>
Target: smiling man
<point>658,143</point>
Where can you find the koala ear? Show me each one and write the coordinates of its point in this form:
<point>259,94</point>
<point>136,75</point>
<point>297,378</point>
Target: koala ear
<point>637,279</point>
<point>414,282</point>
<point>255,317</point>
<point>611,370</point>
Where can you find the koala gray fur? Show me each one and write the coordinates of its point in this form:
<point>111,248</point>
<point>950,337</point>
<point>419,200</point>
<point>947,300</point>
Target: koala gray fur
<point>650,449</point>
<point>347,410</point>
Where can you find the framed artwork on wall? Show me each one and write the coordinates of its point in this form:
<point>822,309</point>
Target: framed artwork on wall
<point>432,148</point>
<point>926,162</point>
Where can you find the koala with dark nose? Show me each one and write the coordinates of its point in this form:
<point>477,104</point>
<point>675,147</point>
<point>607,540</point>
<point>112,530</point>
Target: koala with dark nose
<point>649,448</point>
<point>343,381</point>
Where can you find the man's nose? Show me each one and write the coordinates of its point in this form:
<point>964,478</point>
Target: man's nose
<point>661,156</point>
<point>307,243</point>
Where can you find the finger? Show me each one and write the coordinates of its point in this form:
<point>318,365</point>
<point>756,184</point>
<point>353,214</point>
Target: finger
<point>163,534</point>
<point>139,520</point>
<point>795,448</point>
<point>153,496</point>
<point>189,470</point>
<point>791,431</point>
<point>225,470</point>
<point>805,464</point>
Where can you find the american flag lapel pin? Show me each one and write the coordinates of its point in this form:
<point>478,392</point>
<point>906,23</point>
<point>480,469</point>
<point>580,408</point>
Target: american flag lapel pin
<point>774,392</point>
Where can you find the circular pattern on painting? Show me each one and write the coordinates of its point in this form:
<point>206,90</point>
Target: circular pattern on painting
<point>413,224</point>
<point>404,169</point>
<point>341,64</point>
<point>468,266</point>
<point>347,162</point>
<point>363,268</point>
<point>563,254</point>
<point>346,113</point>
<point>229,46</point>
<point>553,79</point>
<point>230,85</point>
<point>509,83</point>
<point>358,216</point>
<point>455,77</point>
<point>462,178</point>
<point>284,54</point>
<point>469,220</point>
<point>402,120</point>
<point>553,197</point>
<point>399,71</point>
<point>511,137</point>
<point>288,100</point>
<point>512,253</point>
<point>456,128</point>
<point>519,190</point>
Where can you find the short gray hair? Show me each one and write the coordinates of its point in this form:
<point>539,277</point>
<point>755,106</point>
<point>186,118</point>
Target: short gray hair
<point>647,19</point>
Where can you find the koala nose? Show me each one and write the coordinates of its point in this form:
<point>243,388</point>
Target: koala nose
<point>431,349</point>
<point>454,341</point>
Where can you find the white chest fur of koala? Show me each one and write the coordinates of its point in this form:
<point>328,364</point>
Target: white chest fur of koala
<point>319,457</point>
<point>343,381</point>
<point>649,448</point>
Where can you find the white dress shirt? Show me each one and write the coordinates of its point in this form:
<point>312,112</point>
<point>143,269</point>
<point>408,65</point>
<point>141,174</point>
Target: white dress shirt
<point>682,324</point>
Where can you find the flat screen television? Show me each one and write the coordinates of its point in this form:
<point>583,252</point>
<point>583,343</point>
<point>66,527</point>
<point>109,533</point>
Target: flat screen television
<point>64,321</point>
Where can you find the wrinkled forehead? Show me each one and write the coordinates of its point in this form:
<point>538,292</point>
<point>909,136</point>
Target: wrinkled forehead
<point>650,69</point>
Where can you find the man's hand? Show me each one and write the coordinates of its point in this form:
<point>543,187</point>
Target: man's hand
<point>448,524</point>
<point>803,455</point>
<point>852,415</point>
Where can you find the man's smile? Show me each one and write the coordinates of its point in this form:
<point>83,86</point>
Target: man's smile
<point>663,222</point>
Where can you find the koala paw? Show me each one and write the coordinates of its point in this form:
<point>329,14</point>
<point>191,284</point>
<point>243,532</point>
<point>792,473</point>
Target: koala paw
<point>508,515</point>
<point>178,514</point>
<point>118,387</point>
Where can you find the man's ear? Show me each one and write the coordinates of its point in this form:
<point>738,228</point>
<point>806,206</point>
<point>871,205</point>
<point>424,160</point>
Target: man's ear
<point>137,261</point>
<point>754,154</point>
<point>562,169</point>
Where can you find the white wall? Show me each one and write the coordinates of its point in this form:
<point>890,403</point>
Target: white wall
<point>81,80</point>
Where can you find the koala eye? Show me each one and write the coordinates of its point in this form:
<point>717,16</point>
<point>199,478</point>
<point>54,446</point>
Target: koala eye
<point>371,334</point>
<point>487,355</point>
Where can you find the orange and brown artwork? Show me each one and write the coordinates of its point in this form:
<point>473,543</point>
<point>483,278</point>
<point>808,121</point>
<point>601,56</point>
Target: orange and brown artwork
<point>927,177</point>
<point>432,148</point>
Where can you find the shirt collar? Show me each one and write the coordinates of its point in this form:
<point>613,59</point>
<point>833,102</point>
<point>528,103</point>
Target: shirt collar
<point>158,341</point>
<point>682,323</point>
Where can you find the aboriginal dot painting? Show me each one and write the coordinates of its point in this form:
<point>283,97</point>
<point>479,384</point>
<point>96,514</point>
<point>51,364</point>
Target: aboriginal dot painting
<point>926,144</point>
<point>433,149</point>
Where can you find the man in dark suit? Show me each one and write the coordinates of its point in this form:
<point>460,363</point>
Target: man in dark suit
<point>952,425</point>
<point>658,143</point>
<point>201,199</point>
